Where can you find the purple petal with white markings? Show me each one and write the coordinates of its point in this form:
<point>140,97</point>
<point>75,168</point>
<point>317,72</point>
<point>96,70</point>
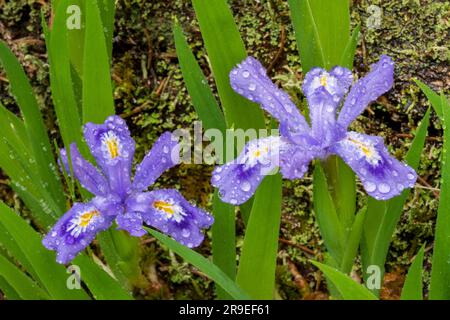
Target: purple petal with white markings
<point>382,176</point>
<point>75,230</point>
<point>113,149</point>
<point>168,211</point>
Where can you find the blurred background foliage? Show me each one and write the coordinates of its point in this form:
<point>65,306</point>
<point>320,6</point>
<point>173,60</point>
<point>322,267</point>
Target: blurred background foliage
<point>150,94</point>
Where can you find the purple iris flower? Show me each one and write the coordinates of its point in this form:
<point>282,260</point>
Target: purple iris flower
<point>382,176</point>
<point>120,199</point>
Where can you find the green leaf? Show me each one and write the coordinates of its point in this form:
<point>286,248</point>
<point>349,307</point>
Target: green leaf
<point>38,260</point>
<point>61,78</point>
<point>100,284</point>
<point>327,218</point>
<point>98,101</point>
<point>8,291</point>
<point>203,264</point>
<point>412,289</point>
<point>34,125</point>
<point>347,287</point>
<point>223,242</point>
<point>26,288</point>
<point>322,30</point>
<point>202,97</point>
<point>352,243</point>
<point>256,273</point>
<point>383,216</point>
<point>440,272</point>
<point>350,49</point>
<point>225,50</point>
<point>432,96</point>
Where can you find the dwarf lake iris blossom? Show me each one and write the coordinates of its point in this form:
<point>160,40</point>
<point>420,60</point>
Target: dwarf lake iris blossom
<point>120,199</point>
<point>382,175</point>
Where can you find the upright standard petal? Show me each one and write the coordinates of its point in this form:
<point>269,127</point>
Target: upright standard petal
<point>164,154</point>
<point>322,110</point>
<point>250,80</point>
<point>88,175</point>
<point>382,176</point>
<point>113,149</point>
<point>75,231</point>
<point>334,83</point>
<point>237,180</point>
<point>168,211</point>
<point>378,81</point>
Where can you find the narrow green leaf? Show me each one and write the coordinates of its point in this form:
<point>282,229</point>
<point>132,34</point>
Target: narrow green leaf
<point>8,290</point>
<point>202,97</point>
<point>412,289</point>
<point>26,288</point>
<point>203,264</point>
<point>98,101</point>
<point>225,50</point>
<point>347,287</point>
<point>352,243</point>
<point>34,125</point>
<point>322,30</point>
<point>327,218</point>
<point>100,284</point>
<point>350,49</point>
<point>223,242</point>
<point>61,81</point>
<point>432,96</point>
<point>256,273</point>
<point>440,272</point>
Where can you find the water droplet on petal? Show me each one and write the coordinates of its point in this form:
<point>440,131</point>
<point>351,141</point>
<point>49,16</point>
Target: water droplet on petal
<point>233,201</point>
<point>410,176</point>
<point>252,87</point>
<point>384,187</point>
<point>216,177</point>
<point>370,186</point>
<point>185,233</point>
<point>246,74</point>
<point>245,186</point>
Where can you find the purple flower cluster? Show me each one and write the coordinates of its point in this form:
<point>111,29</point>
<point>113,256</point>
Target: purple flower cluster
<point>382,176</point>
<point>119,198</point>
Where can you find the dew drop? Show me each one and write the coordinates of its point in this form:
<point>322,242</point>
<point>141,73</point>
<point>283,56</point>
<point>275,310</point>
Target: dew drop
<point>410,176</point>
<point>246,74</point>
<point>370,186</point>
<point>252,87</point>
<point>384,188</point>
<point>185,233</point>
<point>245,187</point>
<point>216,177</point>
<point>166,149</point>
<point>233,201</point>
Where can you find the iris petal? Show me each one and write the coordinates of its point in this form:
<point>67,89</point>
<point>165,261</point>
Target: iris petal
<point>237,180</point>
<point>250,80</point>
<point>382,176</point>
<point>378,81</point>
<point>88,175</point>
<point>164,154</point>
<point>113,149</point>
<point>168,211</point>
<point>75,230</point>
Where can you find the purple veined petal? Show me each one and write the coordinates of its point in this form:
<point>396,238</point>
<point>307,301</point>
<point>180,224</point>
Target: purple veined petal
<point>250,80</point>
<point>295,159</point>
<point>322,110</point>
<point>378,81</point>
<point>237,180</point>
<point>88,175</point>
<point>164,154</point>
<point>75,230</point>
<point>131,222</point>
<point>334,83</point>
<point>168,211</point>
<point>113,149</point>
<point>382,176</point>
